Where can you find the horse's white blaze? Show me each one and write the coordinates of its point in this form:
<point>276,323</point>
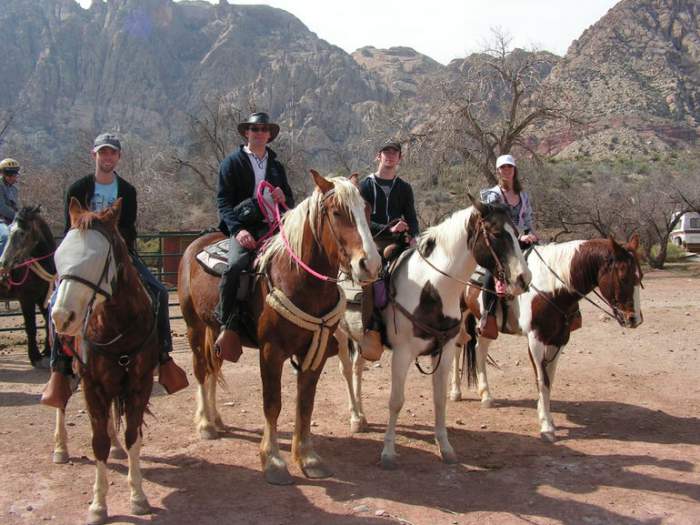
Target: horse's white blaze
<point>371,255</point>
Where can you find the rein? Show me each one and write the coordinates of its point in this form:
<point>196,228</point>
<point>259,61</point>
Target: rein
<point>30,264</point>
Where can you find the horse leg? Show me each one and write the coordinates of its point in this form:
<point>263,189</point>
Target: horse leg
<point>400,362</point>
<point>274,467</point>
<point>60,438</point>
<point>133,438</point>
<point>346,363</point>
<point>213,409</point>
<point>303,451</point>
<point>203,421</point>
<point>538,354</point>
<point>99,413</point>
<point>482,381</point>
<point>30,329</point>
<point>116,451</point>
<point>47,340</point>
<point>440,379</point>
<point>456,379</point>
<point>204,416</point>
<point>358,366</point>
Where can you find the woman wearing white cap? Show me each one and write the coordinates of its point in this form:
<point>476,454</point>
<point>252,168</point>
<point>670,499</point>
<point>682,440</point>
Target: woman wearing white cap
<point>508,191</point>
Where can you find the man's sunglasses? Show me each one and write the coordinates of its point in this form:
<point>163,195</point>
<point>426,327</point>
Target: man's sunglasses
<point>258,129</point>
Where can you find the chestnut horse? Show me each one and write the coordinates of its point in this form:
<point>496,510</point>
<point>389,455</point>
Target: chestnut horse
<point>28,274</point>
<point>296,312</point>
<point>102,301</point>
<point>424,311</point>
<point>562,275</point>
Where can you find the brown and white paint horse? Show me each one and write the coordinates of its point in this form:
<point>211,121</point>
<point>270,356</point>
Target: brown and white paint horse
<point>562,275</point>
<point>327,231</point>
<point>102,301</point>
<point>423,317</point>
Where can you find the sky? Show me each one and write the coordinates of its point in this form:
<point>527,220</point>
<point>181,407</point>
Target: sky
<point>443,29</point>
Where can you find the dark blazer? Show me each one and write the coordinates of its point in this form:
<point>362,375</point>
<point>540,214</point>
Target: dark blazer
<point>400,205</point>
<point>84,189</point>
<point>237,183</point>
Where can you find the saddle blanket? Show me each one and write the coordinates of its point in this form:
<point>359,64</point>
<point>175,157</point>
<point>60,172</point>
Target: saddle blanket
<point>214,258</point>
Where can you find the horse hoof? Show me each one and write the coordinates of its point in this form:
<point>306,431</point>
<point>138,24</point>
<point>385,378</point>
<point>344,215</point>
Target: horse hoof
<point>548,437</point>
<point>316,471</point>
<point>208,433</point>
<point>278,476</point>
<point>487,403</point>
<point>140,507</point>
<point>117,453</point>
<point>449,458</point>
<point>388,463</point>
<point>358,425</point>
<point>60,457</point>
<point>455,396</point>
<point>97,516</point>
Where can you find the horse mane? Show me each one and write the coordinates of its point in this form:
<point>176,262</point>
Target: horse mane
<point>558,257</point>
<point>85,219</point>
<point>446,233</point>
<point>346,196</point>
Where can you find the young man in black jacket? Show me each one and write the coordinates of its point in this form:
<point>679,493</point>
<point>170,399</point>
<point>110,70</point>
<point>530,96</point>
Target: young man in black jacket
<point>97,192</point>
<point>240,175</point>
<point>393,211</point>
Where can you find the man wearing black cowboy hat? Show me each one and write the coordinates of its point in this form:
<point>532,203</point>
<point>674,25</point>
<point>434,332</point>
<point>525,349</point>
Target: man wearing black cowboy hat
<point>240,174</point>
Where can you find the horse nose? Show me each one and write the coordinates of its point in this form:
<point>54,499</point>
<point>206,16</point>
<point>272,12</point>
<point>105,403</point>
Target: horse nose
<point>62,318</point>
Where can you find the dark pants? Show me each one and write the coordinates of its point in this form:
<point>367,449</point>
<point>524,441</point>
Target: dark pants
<point>488,295</point>
<point>62,363</point>
<point>228,310</point>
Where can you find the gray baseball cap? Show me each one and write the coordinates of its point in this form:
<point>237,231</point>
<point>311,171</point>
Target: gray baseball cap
<point>106,140</point>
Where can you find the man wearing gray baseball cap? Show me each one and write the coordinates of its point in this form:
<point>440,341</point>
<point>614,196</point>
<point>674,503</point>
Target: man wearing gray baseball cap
<point>96,192</point>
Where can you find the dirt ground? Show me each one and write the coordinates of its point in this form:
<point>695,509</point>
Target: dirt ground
<point>625,401</point>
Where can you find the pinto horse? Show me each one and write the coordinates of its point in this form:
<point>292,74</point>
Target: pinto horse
<point>424,312</point>
<point>562,275</point>
<point>102,301</point>
<point>296,312</point>
<point>28,274</point>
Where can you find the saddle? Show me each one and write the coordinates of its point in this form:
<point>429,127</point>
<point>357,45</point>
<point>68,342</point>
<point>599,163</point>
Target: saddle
<point>214,260</point>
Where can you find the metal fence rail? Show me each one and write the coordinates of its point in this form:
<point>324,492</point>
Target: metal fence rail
<point>160,251</point>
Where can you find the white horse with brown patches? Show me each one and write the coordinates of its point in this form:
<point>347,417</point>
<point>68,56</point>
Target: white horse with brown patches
<point>562,275</point>
<point>424,312</point>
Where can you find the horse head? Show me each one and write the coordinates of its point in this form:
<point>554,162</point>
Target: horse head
<point>620,280</point>
<point>28,231</point>
<point>494,241</point>
<point>86,262</point>
<point>342,227</point>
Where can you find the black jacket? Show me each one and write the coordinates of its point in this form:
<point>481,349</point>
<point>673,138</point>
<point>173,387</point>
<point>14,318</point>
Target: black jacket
<point>401,204</point>
<point>237,183</point>
<point>84,189</point>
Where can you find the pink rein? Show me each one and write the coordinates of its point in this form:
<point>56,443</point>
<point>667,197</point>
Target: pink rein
<point>274,218</point>
<point>26,264</point>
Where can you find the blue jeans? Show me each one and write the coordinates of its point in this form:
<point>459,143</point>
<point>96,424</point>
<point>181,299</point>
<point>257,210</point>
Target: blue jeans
<point>62,363</point>
<point>4,234</point>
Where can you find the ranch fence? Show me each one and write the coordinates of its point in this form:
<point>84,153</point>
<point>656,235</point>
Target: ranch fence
<point>160,251</point>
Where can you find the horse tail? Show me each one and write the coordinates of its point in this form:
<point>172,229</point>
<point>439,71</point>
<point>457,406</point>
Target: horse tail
<point>469,358</point>
<point>213,363</point>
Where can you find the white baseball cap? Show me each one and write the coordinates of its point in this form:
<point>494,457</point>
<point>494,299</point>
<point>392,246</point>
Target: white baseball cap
<point>505,159</point>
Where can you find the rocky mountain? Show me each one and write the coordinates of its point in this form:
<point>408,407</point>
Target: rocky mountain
<point>635,75</point>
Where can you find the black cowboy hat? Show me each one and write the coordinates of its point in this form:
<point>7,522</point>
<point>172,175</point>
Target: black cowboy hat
<point>259,118</point>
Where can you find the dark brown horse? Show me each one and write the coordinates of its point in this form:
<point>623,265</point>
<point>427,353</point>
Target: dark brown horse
<point>296,313</point>
<point>27,274</point>
<point>562,275</point>
<point>103,303</point>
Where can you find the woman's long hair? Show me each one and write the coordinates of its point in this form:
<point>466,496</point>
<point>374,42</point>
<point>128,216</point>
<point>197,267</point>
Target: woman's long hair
<point>517,187</point>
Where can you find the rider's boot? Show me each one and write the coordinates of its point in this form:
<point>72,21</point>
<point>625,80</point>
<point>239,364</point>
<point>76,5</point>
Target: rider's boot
<point>488,327</point>
<point>371,346</point>
<point>228,345</point>
<point>57,391</point>
<point>576,321</point>
<point>170,375</point>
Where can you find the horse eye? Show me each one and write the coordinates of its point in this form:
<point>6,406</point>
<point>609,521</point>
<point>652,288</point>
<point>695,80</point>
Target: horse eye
<point>336,213</point>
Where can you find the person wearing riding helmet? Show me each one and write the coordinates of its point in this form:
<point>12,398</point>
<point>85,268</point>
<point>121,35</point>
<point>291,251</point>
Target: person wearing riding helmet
<point>240,176</point>
<point>9,198</point>
<point>508,191</point>
<point>97,192</point>
<point>393,210</point>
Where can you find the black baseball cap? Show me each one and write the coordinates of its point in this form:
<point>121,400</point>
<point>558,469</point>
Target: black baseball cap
<point>106,140</point>
<point>390,144</point>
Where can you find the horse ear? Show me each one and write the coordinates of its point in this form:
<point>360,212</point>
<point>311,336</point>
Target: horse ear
<point>618,251</point>
<point>36,209</point>
<point>633,243</point>
<point>355,179</point>
<point>480,206</point>
<point>322,183</point>
<point>74,210</point>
